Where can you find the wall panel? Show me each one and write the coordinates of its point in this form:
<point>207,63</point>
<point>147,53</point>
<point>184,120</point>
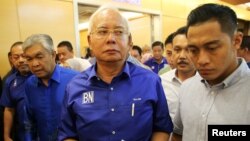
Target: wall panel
<point>53,17</point>
<point>9,34</point>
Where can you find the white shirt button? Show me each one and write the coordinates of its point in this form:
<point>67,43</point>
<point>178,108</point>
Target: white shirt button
<point>111,88</point>
<point>112,109</point>
<point>113,132</point>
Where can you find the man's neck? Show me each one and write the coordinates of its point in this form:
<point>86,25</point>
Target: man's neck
<point>24,73</point>
<point>159,60</point>
<point>46,79</point>
<point>247,57</point>
<point>185,75</point>
<point>108,70</point>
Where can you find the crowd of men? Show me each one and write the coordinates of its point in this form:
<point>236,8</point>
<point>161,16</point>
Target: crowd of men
<point>204,80</point>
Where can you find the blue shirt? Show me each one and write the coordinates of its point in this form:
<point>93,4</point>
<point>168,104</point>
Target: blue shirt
<point>44,103</point>
<point>130,108</point>
<point>152,63</point>
<point>13,97</point>
<point>248,64</point>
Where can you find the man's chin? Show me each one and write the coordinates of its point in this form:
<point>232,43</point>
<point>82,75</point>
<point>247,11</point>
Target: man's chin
<point>111,59</point>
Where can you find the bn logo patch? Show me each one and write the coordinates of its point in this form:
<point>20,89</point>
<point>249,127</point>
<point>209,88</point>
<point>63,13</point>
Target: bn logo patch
<point>88,97</point>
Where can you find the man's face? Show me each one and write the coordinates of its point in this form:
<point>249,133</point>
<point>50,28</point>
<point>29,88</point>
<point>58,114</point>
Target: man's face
<point>168,49</point>
<point>213,51</point>
<point>18,59</point>
<point>41,61</point>
<point>180,58</point>
<point>157,52</point>
<point>109,38</point>
<point>135,54</point>
<point>242,52</point>
<point>64,54</point>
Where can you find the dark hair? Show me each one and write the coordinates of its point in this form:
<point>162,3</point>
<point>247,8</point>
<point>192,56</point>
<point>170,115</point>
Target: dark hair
<point>15,44</point>
<point>88,53</point>
<point>67,44</point>
<point>225,16</point>
<point>181,30</point>
<point>245,42</point>
<point>157,43</point>
<point>169,39</point>
<point>135,47</point>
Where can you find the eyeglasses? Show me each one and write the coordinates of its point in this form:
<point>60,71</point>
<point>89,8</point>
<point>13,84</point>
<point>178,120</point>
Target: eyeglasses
<point>104,33</point>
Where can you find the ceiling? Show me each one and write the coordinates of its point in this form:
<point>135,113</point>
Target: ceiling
<point>236,2</point>
<point>84,12</point>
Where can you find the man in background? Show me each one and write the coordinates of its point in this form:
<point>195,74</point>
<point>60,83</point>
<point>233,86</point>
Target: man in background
<point>168,52</point>
<point>244,50</point>
<point>136,52</point>
<point>1,112</point>
<point>185,69</point>
<point>157,62</point>
<point>64,51</point>
<point>45,89</point>
<point>13,95</point>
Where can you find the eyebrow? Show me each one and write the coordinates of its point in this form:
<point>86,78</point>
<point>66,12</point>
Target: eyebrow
<point>17,54</point>
<point>107,27</point>
<point>212,42</point>
<point>206,44</point>
<point>38,53</point>
<point>177,46</point>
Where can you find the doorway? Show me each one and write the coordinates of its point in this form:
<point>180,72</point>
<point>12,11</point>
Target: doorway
<point>145,27</point>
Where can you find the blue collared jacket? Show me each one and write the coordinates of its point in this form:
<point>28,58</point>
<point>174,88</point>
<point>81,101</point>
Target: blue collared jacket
<point>13,97</point>
<point>43,104</point>
<point>130,108</point>
<point>152,63</point>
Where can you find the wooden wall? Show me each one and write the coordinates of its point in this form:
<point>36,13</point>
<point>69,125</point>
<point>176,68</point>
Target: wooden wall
<point>22,18</point>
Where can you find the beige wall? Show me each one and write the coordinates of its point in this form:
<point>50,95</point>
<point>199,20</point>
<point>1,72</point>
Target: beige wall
<point>175,12</point>
<point>140,27</point>
<point>53,17</point>
<point>83,41</point>
<point>21,18</point>
<point>9,32</point>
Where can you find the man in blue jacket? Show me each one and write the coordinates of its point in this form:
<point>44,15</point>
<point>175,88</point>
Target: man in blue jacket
<point>45,89</point>
<point>13,95</point>
<point>114,99</point>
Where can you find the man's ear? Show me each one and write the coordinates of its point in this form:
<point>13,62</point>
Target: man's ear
<point>130,43</point>
<point>237,40</point>
<point>89,41</point>
<point>54,54</point>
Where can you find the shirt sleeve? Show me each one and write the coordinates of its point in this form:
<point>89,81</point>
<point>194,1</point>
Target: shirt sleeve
<point>67,128</point>
<point>162,120</point>
<point>6,98</point>
<point>178,127</point>
<point>29,122</point>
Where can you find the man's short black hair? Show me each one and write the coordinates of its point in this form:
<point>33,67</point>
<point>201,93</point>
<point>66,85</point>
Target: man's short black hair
<point>225,16</point>
<point>135,47</point>
<point>169,39</point>
<point>67,44</point>
<point>157,43</point>
<point>245,42</point>
<point>181,30</point>
<point>15,44</point>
